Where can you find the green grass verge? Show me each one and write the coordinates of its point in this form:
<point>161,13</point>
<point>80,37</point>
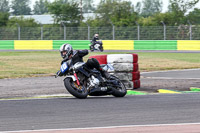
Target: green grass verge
<point>17,64</point>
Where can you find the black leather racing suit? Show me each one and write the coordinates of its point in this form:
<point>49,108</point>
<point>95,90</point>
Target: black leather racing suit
<point>94,41</point>
<point>78,57</point>
<point>91,63</point>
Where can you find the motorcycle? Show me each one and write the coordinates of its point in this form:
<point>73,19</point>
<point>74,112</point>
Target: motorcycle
<point>81,81</point>
<point>97,46</point>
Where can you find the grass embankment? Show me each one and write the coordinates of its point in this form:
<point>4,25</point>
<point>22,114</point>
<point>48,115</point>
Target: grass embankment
<point>15,64</point>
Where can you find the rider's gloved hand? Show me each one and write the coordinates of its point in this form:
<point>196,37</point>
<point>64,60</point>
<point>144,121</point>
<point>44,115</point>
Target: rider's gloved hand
<point>59,73</point>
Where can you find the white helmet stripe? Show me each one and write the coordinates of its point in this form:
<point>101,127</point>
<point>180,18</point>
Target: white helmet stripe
<point>64,47</point>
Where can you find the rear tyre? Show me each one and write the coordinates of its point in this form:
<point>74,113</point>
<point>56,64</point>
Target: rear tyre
<point>101,49</point>
<point>118,91</point>
<point>73,88</point>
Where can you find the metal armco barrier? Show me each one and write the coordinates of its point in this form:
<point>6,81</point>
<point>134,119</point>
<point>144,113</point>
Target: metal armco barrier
<point>6,44</point>
<point>107,44</point>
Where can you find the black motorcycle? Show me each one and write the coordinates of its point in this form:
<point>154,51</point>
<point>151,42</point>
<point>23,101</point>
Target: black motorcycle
<point>98,45</point>
<point>81,81</point>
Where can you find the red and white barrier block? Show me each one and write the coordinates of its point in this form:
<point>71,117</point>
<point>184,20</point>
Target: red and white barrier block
<point>126,68</point>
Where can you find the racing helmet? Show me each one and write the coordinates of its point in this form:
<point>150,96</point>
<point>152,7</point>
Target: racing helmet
<point>96,35</point>
<point>66,50</point>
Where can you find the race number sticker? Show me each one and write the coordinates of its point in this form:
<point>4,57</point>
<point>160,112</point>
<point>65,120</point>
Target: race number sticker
<point>64,67</point>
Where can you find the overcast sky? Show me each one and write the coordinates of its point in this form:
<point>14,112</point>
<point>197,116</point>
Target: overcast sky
<point>165,3</point>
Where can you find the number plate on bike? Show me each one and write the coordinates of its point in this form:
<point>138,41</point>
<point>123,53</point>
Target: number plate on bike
<point>64,67</point>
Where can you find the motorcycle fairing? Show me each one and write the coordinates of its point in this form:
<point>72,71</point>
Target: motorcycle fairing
<point>64,67</point>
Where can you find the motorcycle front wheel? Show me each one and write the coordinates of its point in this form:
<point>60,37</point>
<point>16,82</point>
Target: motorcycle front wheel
<point>91,48</point>
<point>119,91</point>
<point>78,91</point>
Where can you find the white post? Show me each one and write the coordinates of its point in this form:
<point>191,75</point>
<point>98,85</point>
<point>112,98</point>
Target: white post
<point>64,30</point>
<point>88,31</point>
<point>190,29</point>
<point>18,31</point>
<point>41,31</point>
<point>138,30</point>
<point>164,28</point>
<point>113,26</point>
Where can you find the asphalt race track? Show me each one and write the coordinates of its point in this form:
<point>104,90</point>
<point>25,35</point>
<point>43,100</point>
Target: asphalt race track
<point>68,112</point>
<point>180,80</point>
<point>63,113</point>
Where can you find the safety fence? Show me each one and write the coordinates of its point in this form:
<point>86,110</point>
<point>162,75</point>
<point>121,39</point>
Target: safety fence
<point>182,32</point>
<point>107,44</point>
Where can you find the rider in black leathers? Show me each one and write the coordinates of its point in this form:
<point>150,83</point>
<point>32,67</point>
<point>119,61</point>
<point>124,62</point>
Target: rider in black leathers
<point>94,40</point>
<point>67,53</point>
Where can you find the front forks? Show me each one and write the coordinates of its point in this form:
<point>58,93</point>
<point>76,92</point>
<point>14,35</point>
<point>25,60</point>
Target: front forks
<point>75,75</point>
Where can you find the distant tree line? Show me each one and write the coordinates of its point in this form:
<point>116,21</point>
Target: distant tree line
<point>108,12</point>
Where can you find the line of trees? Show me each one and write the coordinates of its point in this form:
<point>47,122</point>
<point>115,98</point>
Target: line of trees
<point>22,7</point>
<point>107,12</point>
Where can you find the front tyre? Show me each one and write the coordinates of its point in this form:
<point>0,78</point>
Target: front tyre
<point>73,88</point>
<point>120,90</point>
<point>91,48</point>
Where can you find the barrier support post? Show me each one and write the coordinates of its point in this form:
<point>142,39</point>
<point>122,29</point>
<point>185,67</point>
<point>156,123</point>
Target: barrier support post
<point>190,29</point>
<point>18,27</point>
<point>113,27</point>
<point>64,30</point>
<point>41,31</point>
<point>164,30</point>
<point>88,30</point>
<point>138,30</point>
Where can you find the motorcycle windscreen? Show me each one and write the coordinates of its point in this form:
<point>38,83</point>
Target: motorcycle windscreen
<point>64,67</point>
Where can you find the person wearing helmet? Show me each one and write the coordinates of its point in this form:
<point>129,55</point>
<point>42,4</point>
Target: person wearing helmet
<point>67,53</point>
<point>94,40</point>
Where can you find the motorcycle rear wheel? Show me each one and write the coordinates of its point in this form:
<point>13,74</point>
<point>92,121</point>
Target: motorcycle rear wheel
<point>119,91</point>
<point>73,88</point>
<point>101,49</point>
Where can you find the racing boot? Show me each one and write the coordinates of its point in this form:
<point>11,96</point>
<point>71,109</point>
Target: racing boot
<point>105,74</point>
